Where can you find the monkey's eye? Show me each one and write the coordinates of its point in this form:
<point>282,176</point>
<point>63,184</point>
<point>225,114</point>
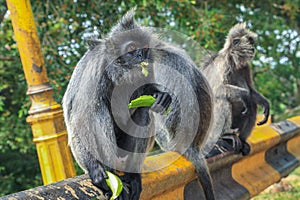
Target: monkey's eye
<point>131,47</point>
<point>236,41</point>
<point>251,40</point>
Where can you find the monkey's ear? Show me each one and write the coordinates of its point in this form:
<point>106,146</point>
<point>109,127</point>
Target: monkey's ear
<point>92,42</point>
<point>126,23</point>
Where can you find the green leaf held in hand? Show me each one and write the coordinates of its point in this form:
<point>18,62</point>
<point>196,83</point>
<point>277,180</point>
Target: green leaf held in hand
<point>115,184</point>
<point>142,101</point>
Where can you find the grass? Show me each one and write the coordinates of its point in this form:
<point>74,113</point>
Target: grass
<point>287,189</point>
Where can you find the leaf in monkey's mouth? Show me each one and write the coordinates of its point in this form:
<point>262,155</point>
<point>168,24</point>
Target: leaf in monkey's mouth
<point>144,68</point>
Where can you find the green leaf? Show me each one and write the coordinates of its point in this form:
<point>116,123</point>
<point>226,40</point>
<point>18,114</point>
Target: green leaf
<point>115,184</point>
<point>144,68</point>
<point>142,101</point>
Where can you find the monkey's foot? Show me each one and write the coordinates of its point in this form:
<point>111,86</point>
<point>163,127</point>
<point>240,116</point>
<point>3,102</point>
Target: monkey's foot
<point>98,175</point>
<point>132,186</point>
<point>229,143</point>
<point>245,149</point>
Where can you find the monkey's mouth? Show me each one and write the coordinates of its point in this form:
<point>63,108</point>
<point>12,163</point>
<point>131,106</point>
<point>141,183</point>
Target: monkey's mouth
<point>248,53</point>
<point>252,54</point>
<point>140,55</point>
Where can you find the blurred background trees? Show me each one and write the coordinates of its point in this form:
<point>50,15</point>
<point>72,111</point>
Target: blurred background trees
<point>62,25</point>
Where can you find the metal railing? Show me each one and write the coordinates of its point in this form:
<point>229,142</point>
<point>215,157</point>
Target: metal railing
<point>275,152</point>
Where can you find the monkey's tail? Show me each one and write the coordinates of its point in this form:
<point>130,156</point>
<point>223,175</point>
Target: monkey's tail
<point>202,171</point>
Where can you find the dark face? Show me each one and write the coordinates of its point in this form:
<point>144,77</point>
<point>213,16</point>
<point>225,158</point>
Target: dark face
<point>134,53</point>
<point>130,54</point>
<point>132,47</point>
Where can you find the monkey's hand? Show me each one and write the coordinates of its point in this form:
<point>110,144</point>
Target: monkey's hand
<point>266,106</point>
<point>162,102</point>
<point>236,94</point>
<point>98,175</point>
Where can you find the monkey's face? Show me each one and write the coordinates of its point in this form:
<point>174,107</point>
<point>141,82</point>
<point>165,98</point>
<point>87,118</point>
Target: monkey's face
<point>240,44</point>
<point>243,47</point>
<point>133,53</point>
<point>130,55</point>
<point>132,47</point>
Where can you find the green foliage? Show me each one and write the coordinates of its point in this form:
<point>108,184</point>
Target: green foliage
<point>18,171</point>
<point>62,26</point>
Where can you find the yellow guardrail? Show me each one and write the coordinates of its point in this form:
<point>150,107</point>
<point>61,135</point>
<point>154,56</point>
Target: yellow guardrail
<point>275,152</point>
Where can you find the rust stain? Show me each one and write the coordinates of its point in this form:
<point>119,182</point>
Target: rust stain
<point>37,68</point>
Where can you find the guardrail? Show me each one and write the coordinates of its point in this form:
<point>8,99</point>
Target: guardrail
<point>275,152</point>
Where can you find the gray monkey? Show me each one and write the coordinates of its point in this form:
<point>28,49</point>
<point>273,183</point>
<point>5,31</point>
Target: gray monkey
<point>102,130</point>
<point>236,99</point>
<point>100,140</point>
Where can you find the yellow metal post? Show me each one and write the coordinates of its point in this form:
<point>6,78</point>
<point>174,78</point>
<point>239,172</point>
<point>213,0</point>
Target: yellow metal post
<point>45,115</point>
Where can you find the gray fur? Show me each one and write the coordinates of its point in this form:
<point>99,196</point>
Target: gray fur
<point>235,98</point>
<point>92,42</point>
<point>126,23</point>
<point>169,134</point>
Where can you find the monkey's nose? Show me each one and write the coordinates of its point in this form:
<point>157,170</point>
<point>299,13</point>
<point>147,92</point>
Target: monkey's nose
<point>146,53</point>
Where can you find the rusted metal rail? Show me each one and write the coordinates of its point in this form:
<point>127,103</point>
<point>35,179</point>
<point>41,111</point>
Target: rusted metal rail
<point>275,152</point>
